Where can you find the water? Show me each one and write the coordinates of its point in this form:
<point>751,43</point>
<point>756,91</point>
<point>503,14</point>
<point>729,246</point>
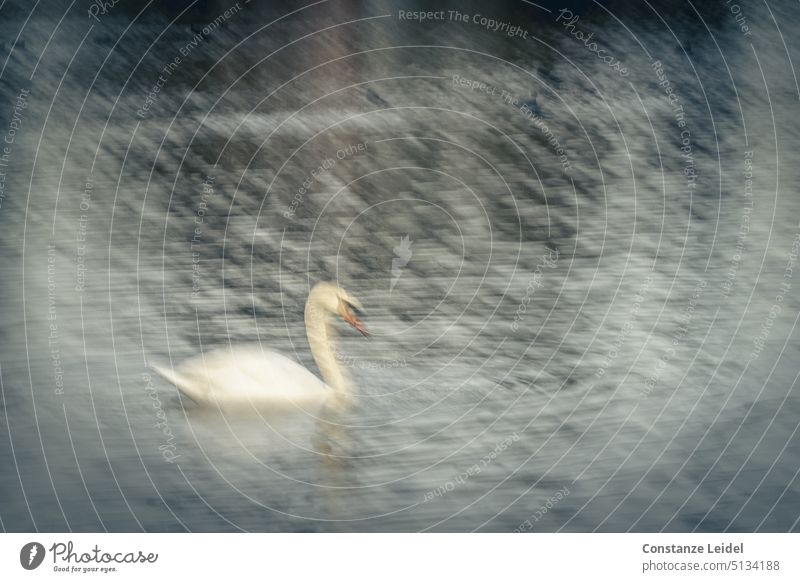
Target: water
<point>571,316</point>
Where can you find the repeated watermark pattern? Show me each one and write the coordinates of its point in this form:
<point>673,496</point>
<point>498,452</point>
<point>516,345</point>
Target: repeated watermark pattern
<point>100,8</point>
<point>569,21</point>
<point>507,28</point>
<point>625,330</point>
<point>356,362</point>
<point>678,337</point>
<point>525,107</point>
<point>551,502</point>
<point>472,471</point>
<point>207,192</point>
<point>687,151</point>
<point>169,69</point>
<point>547,261</point>
<point>739,17</point>
<point>53,341</point>
<point>168,448</point>
<point>6,148</point>
<point>552,140</point>
<point>744,226</point>
<point>320,170</point>
<point>760,340</point>
<point>82,233</point>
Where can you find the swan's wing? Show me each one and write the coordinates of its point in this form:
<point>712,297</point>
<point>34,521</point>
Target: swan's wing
<point>249,374</point>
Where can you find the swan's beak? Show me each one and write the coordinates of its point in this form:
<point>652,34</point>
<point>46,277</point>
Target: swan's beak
<point>352,319</point>
<point>349,308</point>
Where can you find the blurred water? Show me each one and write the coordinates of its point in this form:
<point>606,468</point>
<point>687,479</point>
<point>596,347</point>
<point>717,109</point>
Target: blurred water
<point>569,340</point>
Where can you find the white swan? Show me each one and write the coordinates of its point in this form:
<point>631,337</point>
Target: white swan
<point>252,376</point>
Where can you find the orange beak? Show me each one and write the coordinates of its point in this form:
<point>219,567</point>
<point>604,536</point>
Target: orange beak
<point>353,320</point>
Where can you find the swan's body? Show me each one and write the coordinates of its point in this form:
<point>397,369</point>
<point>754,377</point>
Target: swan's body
<point>246,375</point>
<point>252,376</point>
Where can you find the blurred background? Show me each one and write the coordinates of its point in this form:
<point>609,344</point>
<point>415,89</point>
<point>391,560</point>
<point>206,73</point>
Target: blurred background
<point>573,226</point>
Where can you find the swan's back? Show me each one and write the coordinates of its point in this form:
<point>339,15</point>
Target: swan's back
<point>247,376</point>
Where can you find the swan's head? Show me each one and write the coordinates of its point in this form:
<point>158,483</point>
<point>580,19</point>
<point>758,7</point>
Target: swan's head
<point>330,299</point>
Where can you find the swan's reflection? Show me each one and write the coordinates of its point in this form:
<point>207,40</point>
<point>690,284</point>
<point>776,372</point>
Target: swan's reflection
<point>333,443</point>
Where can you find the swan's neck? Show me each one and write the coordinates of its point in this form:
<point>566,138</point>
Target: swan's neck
<point>322,339</point>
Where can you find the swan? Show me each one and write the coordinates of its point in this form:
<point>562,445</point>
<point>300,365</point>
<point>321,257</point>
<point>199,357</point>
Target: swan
<point>253,376</point>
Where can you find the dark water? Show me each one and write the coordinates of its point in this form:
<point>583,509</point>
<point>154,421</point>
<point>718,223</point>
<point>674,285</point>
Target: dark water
<point>591,325</point>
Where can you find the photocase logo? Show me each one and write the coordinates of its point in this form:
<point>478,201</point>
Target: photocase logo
<point>31,555</point>
<point>403,255</point>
